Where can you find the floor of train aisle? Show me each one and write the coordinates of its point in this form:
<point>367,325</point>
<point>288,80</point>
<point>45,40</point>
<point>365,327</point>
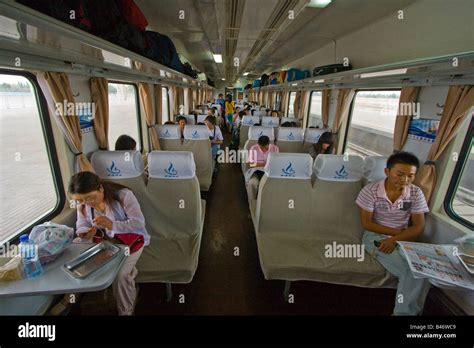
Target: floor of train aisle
<point>229,280</point>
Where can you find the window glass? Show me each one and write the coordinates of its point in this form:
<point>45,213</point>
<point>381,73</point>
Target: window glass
<point>291,102</point>
<point>315,108</point>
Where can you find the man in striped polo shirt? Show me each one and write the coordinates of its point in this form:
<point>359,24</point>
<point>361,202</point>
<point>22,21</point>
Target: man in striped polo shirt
<point>393,210</point>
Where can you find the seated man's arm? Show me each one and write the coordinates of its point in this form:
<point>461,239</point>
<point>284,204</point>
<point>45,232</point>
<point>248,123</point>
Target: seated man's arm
<point>369,225</point>
<point>417,228</point>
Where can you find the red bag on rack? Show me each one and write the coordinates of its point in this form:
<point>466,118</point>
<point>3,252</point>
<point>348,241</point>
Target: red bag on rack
<point>133,15</point>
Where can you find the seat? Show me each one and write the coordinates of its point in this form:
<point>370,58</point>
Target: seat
<point>290,139</point>
<point>374,169</point>
<point>123,167</point>
<point>290,119</point>
<point>336,218</point>
<point>201,118</point>
<point>169,136</point>
<point>190,119</point>
<point>311,136</point>
<point>196,140</point>
<point>247,122</point>
<point>268,121</point>
<point>254,133</point>
<point>176,215</point>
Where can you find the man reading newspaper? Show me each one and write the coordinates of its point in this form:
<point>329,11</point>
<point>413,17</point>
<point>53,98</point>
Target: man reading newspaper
<point>393,210</point>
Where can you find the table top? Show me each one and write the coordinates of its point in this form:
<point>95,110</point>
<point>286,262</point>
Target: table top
<point>55,280</point>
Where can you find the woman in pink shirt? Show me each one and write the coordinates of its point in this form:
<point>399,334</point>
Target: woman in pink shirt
<point>258,158</point>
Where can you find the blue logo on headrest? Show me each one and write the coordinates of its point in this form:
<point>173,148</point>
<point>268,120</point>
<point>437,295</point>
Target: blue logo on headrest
<point>288,171</point>
<point>316,137</point>
<point>290,136</point>
<point>270,122</point>
<point>341,173</point>
<point>113,170</point>
<point>249,122</point>
<point>171,172</point>
<point>260,134</point>
<point>166,134</point>
<point>195,135</point>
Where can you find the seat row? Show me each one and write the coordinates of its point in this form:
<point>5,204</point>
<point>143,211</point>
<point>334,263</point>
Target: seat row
<point>171,202</point>
<point>304,208</point>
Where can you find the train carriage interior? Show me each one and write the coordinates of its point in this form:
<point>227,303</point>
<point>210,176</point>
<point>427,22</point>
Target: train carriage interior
<point>179,101</point>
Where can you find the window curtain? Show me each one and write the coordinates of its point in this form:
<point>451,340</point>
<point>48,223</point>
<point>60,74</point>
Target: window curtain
<point>146,100</point>
<point>158,92</point>
<point>459,101</point>
<point>402,122</point>
<point>296,104</point>
<point>284,102</point>
<point>60,92</point>
<point>344,100</point>
<point>174,105</point>
<point>325,100</point>
<point>195,101</point>
<point>181,100</point>
<point>190,101</point>
<point>304,96</point>
<point>100,97</point>
<point>260,97</point>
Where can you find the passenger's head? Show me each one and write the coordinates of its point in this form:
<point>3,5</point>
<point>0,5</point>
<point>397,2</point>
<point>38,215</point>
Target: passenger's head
<point>264,142</point>
<point>228,98</point>
<point>401,169</point>
<point>242,114</point>
<point>274,113</point>
<point>169,122</point>
<point>211,112</point>
<point>286,124</point>
<point>87,188</point>
<point>237,110</point>
<point>326,142</point>
<point>267,111</point>
<point>221,96</point>
<point>125,143</point>
<point>210,122</point>
<point>181,120</point>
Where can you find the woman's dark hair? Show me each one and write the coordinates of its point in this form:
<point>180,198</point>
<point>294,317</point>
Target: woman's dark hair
<point>124,143</point>
<point>179,118</point>
<point>263,140</point>
<point>211,119</point>
<point>169,122</point>
<point>325,138</point>
<point>200,124</point>
<point>242,114</point>
<point>286,124</point>
<point>85,182</point>
<point>403,158</point>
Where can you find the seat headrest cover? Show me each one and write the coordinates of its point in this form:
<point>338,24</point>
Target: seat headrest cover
<point>339,167</point>
<point>168,131</point>
<point>290,134</point>
<point>312,135</point>
<point>374,168</point>
<point>171,165</point>
<point>289,165</point>
<point>268,121</point>
<point>117,164</point>
<point>290,119</point>
<point>256,132</point>
<point>201,118</point>
<point>197,132</point>
<point>190,119</point>
<point>250,120</point>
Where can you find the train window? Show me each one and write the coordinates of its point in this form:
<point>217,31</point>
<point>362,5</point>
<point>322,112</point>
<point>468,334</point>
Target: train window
<point>315,109</point>
<point>124,117</point>
<point>30,183</point>
<point>372,123</point>
<point>165,105</point>
<point>291,102</point>
<point>459,202</point>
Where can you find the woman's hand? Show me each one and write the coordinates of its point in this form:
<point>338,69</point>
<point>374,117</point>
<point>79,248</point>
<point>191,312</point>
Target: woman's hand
<point>103,221</point>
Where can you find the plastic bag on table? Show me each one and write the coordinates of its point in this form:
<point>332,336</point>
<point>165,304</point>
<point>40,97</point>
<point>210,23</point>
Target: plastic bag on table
<point>52,239</point>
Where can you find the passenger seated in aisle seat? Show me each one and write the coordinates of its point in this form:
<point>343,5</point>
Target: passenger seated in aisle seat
<point>393,210</point>
<point>125,143</point>
<point>115,209</point>
<point>258,155</point>
<point>234,117</point>
<point>181,121</point>
<point>274,113</point>
<point>325,145</point>
<point>215,136</point>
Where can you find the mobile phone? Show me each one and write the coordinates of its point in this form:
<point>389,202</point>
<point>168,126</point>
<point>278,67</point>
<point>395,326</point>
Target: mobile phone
<point>377,243</point>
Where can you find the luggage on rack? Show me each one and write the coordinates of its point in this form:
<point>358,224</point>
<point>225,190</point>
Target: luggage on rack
<point>162,50</point>
<point>330,69</point>
<point>264,80</point>
<point>256,83</point>
<point>132,14</point>
<point>294,75</point>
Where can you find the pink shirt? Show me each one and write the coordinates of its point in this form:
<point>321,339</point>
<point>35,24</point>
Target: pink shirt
<point>257,155</point>
<point>373,198</point>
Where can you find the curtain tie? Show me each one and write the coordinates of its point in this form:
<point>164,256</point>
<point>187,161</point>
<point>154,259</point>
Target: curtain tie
<point>152,126</point>
<point>78,154</point>
<point>430,163</point>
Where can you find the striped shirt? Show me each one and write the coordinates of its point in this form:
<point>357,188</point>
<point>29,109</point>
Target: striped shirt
<point>373,198</point>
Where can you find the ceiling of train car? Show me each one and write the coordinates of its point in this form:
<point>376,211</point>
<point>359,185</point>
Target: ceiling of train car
<point>259,33</point>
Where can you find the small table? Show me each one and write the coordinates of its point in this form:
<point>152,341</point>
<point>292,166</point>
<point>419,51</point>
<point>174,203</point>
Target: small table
<point>55,280</point>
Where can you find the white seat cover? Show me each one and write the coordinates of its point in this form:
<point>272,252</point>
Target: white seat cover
<point>256,132</point>
<point>374,168</point>
<point>201,118</point>
<point>197,132</point>
<point>171,165</point>
<point>117,164</point>
<point>312,135</point>
<point>290,134</point>
<point>250,120</point>
<point>190,119</point>
<point>339,167</point>
<point>289,165</point>
<point>268,121</point>
<point>168,131</point>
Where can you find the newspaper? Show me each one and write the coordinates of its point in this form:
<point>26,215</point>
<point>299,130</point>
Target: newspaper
<point>438,263</point>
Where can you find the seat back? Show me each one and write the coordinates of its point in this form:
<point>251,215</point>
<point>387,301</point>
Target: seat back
<point>268,121</point>
<point>290,139</point>
<point>284,199</point>
<point>290,119</point>
<point>196,140</point>
<point>247,122</point>
<point>256,132</point>
<point>338,182</point>
<point>311,136</point>
<point>169,136</point>
<point>373,169</point>
<point>190,119</point>
<point>201,118</point>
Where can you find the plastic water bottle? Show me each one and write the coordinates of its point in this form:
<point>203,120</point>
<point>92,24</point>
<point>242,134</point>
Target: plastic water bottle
<point>29,255</point>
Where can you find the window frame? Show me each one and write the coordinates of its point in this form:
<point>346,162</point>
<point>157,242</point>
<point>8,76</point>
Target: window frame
<point>50,145</point>
<point>309,106</point>
<point>138,106</point>
<point>456,177</point>
<point>351,108</point>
